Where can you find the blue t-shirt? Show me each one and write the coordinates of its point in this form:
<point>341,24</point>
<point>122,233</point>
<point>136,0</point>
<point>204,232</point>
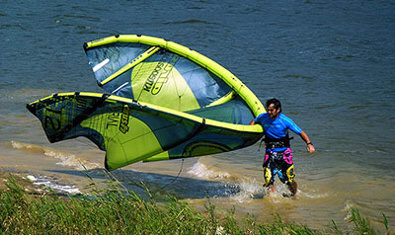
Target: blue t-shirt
<point>278,128</point>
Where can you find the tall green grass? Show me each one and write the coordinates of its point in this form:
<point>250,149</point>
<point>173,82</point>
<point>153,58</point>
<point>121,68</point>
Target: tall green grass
<point>116,211</point>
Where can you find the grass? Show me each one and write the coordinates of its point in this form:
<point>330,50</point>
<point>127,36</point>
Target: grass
<point>116,211</point>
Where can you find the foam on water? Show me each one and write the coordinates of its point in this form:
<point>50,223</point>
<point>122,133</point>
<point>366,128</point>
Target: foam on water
<point>71,160</point>
<point>348,207</point>
<point>312,195</point>
<point>52,183</point>
<point>66,159</point>
<point>201,171</point>
<point>238,188</point>
<point>18,145</point>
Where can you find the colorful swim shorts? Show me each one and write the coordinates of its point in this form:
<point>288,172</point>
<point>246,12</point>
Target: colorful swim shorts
<point>278,163</point>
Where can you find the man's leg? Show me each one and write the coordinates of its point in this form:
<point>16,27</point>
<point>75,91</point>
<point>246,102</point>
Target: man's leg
<point>268,173</point>
<point>290,175</point>
<point>293,187</point>
<point>272,188</point>
<point>288,171</point>
<point>268,176</point>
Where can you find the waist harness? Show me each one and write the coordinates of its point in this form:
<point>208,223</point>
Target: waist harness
<point>278,143</point>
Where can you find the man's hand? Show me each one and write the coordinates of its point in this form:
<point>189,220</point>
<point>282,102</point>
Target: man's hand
<point>310,148</point>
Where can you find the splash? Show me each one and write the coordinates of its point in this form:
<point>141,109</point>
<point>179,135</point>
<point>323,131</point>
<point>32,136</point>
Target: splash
<point>238,188</point>
<point>249,189</point>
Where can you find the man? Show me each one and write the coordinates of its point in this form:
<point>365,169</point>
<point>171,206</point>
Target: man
<point>278,157</point>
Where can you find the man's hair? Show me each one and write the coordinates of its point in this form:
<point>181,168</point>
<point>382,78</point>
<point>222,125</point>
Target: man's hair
<point>275,102</point>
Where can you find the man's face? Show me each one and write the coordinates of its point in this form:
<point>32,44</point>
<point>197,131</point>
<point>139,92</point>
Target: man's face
<point>273,113</point>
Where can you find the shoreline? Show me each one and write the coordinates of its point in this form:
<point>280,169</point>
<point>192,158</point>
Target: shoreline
<point>214,218</point>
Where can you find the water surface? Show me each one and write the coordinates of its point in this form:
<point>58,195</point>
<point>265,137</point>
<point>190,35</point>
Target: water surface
<point>331,63</point>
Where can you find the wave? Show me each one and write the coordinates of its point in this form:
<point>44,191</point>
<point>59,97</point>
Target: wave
<point>65,159</point>
<point>201,171</point>
<point>191,21</point>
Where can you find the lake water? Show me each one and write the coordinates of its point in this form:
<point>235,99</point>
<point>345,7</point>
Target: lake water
<point>331,63</point>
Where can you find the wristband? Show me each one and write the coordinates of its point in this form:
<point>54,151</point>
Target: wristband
<point>309,143</point>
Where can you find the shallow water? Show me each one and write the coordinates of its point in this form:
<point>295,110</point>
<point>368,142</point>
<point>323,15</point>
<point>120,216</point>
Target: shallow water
<point>331,63</point>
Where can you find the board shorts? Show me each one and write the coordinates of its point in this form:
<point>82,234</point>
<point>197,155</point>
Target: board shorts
<point>278,163</point>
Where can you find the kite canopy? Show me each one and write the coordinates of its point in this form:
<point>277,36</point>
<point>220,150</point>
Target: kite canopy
<point>166,102</point>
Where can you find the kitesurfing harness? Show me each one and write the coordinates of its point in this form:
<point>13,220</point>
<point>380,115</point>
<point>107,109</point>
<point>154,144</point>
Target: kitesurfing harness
<point>278,143</point>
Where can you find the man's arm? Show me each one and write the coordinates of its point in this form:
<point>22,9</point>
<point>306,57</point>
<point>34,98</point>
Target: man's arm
<point>310,146</point>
